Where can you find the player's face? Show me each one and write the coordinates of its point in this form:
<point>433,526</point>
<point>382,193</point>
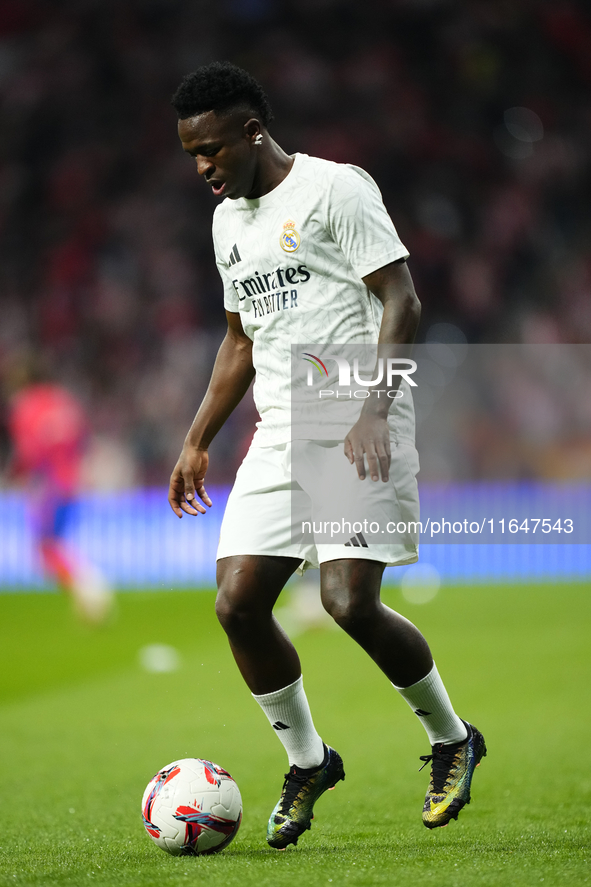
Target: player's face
<point>223,146</point>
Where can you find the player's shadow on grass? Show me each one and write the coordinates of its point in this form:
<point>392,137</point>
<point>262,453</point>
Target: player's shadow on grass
<point>418,846</point>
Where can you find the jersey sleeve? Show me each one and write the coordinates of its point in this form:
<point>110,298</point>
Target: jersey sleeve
<point>359,222</point>
<point>231,302</point>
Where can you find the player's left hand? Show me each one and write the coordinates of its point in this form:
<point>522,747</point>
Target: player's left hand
<point>370,437</point>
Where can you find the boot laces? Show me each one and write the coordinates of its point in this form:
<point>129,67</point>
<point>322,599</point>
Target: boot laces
<point>292,786</point>
<point>443,759</point>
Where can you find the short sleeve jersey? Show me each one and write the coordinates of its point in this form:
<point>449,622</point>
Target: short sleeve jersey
<point>292,264</point>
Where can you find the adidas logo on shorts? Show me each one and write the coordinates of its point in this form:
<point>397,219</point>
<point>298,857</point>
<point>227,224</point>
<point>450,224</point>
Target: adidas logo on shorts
<point>357,541</point>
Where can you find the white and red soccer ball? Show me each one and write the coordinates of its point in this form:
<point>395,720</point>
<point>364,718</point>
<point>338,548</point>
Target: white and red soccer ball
<point>192,807</point>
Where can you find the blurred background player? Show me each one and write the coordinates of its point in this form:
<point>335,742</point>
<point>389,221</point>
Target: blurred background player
<point>48,429</point>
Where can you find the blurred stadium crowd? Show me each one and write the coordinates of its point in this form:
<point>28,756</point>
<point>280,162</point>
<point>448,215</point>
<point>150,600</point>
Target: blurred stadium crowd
<point>474,118</point>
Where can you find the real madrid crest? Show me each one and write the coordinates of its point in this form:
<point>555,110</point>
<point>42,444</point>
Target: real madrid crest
<point>290,239</point>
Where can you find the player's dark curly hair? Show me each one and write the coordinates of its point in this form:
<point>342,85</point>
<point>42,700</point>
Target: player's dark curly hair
<point>220,86</point>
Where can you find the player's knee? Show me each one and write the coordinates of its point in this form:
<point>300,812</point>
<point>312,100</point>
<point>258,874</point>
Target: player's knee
<point>340,612</point>
<point>233,618</point>
<point>237,609</point>
<point>347,609</point>
<point>231,613</point>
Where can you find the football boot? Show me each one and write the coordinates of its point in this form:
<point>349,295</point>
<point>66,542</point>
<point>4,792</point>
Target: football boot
<point>452,767</point>
<point>293,812</point>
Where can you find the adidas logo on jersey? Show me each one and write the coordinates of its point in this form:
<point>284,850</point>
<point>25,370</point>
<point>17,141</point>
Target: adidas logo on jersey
<point>357,541</point>
<point>234,256</point>
<point>279,726</point>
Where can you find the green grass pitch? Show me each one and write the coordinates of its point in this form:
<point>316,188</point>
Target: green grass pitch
<point>83,728</point>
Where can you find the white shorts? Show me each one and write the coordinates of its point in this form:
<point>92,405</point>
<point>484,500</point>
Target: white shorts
<point>287,499</point>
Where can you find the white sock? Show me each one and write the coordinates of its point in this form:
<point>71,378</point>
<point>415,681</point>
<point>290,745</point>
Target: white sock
<point>429,700</point>
<point>289,715</point>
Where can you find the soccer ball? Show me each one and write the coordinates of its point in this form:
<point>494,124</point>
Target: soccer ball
<point>192,807</point>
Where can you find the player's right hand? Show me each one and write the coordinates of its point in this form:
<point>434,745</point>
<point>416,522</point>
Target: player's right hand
<point>186,482</point>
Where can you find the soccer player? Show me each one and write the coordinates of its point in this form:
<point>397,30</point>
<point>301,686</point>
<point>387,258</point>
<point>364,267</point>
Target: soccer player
<point>307,253</point>
<point>48,430</point>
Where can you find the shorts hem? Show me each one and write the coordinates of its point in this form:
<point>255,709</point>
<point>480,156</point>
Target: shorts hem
<point>280,552</point>
<point>356,554</point>
<point>306,563</point>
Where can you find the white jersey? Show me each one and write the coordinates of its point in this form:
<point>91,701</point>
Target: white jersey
<point>292,263</point>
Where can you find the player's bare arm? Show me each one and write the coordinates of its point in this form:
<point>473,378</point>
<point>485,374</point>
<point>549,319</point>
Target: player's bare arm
<point>370,436</point>
<point>232,374</point>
